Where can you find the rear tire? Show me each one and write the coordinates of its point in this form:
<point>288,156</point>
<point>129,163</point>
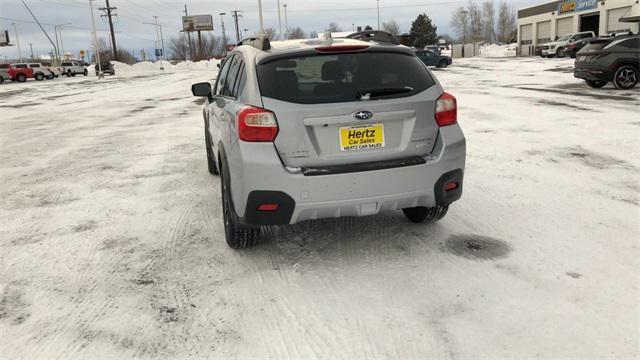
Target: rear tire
<point>626,77</point>
<point>69,73</point>
<point>596,84</point>
<point>21,77</point>
<point>39,76</point>
<point>238,236</point>
<point>443,64</point>
<point>560,53</point>
<point>86,72</point>
<point>1,80</point>
<point>50,77</point>
<point>426,215</point>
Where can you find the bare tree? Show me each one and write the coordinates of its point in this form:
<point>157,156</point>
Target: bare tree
<point>313,35</point>
<point>106,54</point>
<point>333,27</point>
<point>488,15</point>
<point>179,47</point>
<point>391,27</point>
<point>271,33</point>
<point>475,20</point>
<point>296,33</point>
<point>460,22</point>
<point>506,22</point>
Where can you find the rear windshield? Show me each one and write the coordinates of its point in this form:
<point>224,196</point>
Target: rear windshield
<point>595,45</point>
<point>328,78</point>
<point>67,64</point>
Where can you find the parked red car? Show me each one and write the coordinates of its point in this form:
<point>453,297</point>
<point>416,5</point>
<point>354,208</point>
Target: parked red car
<point>22,72</point>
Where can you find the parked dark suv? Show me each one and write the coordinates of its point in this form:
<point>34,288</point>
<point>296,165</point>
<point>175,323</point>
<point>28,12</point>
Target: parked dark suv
<point>106,67</point>
<point>431,58</point>
<point>614,59</point>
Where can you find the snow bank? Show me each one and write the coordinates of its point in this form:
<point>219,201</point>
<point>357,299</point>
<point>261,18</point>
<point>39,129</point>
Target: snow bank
<point>165,66</point>
<point>494,50</point>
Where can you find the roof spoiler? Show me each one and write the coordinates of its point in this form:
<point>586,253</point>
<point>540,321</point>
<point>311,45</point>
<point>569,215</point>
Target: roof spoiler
<point>260,42</point>
<point>375,35</point>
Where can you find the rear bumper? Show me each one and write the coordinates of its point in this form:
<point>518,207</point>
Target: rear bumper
<point>349,194</point>
<point>592,73</point>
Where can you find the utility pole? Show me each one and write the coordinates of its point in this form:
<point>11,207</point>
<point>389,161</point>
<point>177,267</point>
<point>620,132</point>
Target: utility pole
<point>188,35</point>
<point>235,17</point>
<point>15,28</point>
<point>279,23</point>
<point>31,46</point>
<point>378,5</point>
<point>109,14</point>
<point>55,30</point>
<point>96,49</point>
<point>260,13</point>
<point>224,36</point>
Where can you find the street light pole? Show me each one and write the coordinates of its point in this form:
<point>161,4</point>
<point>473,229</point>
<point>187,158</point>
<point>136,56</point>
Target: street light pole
<point>15,28</point>
<point>279,23</point>
<point>96,49</point>
<point>378,6</point>
<point>55,30</point>
<point>286,20</point>
<point>61,41</point>
<point>260,14</point>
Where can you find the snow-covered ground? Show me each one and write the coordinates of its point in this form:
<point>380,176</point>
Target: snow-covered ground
<point>111,243</point>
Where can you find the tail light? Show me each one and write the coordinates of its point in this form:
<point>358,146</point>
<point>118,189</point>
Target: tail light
<point>256,124</point>
<point>446,110</point>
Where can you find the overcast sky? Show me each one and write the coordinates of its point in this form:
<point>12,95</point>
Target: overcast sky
<point>311,15</point>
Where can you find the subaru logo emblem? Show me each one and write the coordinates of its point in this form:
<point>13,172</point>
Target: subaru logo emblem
<point>363,115</point>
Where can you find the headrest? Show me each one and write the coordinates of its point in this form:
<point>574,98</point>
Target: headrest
<point>332,70</point>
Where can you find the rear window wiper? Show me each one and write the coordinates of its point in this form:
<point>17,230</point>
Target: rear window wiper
<point>369,93</point>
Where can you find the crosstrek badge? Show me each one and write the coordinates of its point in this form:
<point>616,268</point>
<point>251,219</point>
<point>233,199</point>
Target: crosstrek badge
<point>362,137</point>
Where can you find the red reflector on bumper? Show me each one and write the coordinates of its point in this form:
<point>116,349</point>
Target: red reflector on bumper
<point>268,207</point>
<point>450,186</point>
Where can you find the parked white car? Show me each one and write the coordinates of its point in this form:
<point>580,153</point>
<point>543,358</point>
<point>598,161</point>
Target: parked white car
<point>556,48</point>
<point>73,68</point>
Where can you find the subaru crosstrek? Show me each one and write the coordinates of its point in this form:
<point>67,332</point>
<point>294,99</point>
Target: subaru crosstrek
<point>323,128</point>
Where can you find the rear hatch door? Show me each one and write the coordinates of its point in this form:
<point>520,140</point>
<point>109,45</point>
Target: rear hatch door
<point>340,109</point>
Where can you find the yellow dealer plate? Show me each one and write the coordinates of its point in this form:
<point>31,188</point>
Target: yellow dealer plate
<point>362,137</point>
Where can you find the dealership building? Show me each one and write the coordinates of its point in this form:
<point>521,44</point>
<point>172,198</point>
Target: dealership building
<point>546,22</point>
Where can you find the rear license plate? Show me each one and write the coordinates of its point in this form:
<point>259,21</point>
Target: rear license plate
<point>362,137</point>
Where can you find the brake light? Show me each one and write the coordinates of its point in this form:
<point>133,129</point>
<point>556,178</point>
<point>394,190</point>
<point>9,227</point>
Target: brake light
<point>446,110</point>
<point>268,207</point>
<point>256,124</point>
<point>341,48</point>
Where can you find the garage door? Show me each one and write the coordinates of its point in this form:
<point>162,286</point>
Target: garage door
<point>613,16</point>
<point>544,32</point>
<point>526,34</point>
<point>564,26</point>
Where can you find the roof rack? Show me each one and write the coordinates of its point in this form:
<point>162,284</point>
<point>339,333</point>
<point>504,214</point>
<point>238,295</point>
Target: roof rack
<point>375,35</point>
<point>260,42</point>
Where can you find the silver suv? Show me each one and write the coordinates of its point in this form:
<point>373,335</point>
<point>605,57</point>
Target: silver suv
<point>324,128</point>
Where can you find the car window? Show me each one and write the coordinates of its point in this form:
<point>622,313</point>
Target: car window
<point>241,81</point>
<point>66,64</point>
<point>327,78</point>
<point>4,66</point>
<point>21,66</point>
<point>222,76</point>
<point>232,76</point>
<point>631,44</point>
<point>34,65</point>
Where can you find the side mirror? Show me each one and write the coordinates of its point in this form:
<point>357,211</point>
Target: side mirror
<point>201,89</point>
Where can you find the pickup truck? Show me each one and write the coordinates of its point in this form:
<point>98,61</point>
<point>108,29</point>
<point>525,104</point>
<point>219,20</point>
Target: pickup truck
<point>22,71</point>
<point>56,70</point>
<point>557,48</point>
<point>73,68</point>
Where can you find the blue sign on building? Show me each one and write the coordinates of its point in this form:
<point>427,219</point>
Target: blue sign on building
<point>566,7</point>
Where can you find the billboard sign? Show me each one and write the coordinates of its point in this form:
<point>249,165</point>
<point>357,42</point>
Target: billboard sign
<point>197,23</point>
<point>567,7</point>
<point>4,38</point>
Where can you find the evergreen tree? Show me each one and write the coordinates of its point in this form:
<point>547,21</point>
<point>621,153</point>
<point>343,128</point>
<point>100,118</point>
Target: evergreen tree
<point>423,32</point>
